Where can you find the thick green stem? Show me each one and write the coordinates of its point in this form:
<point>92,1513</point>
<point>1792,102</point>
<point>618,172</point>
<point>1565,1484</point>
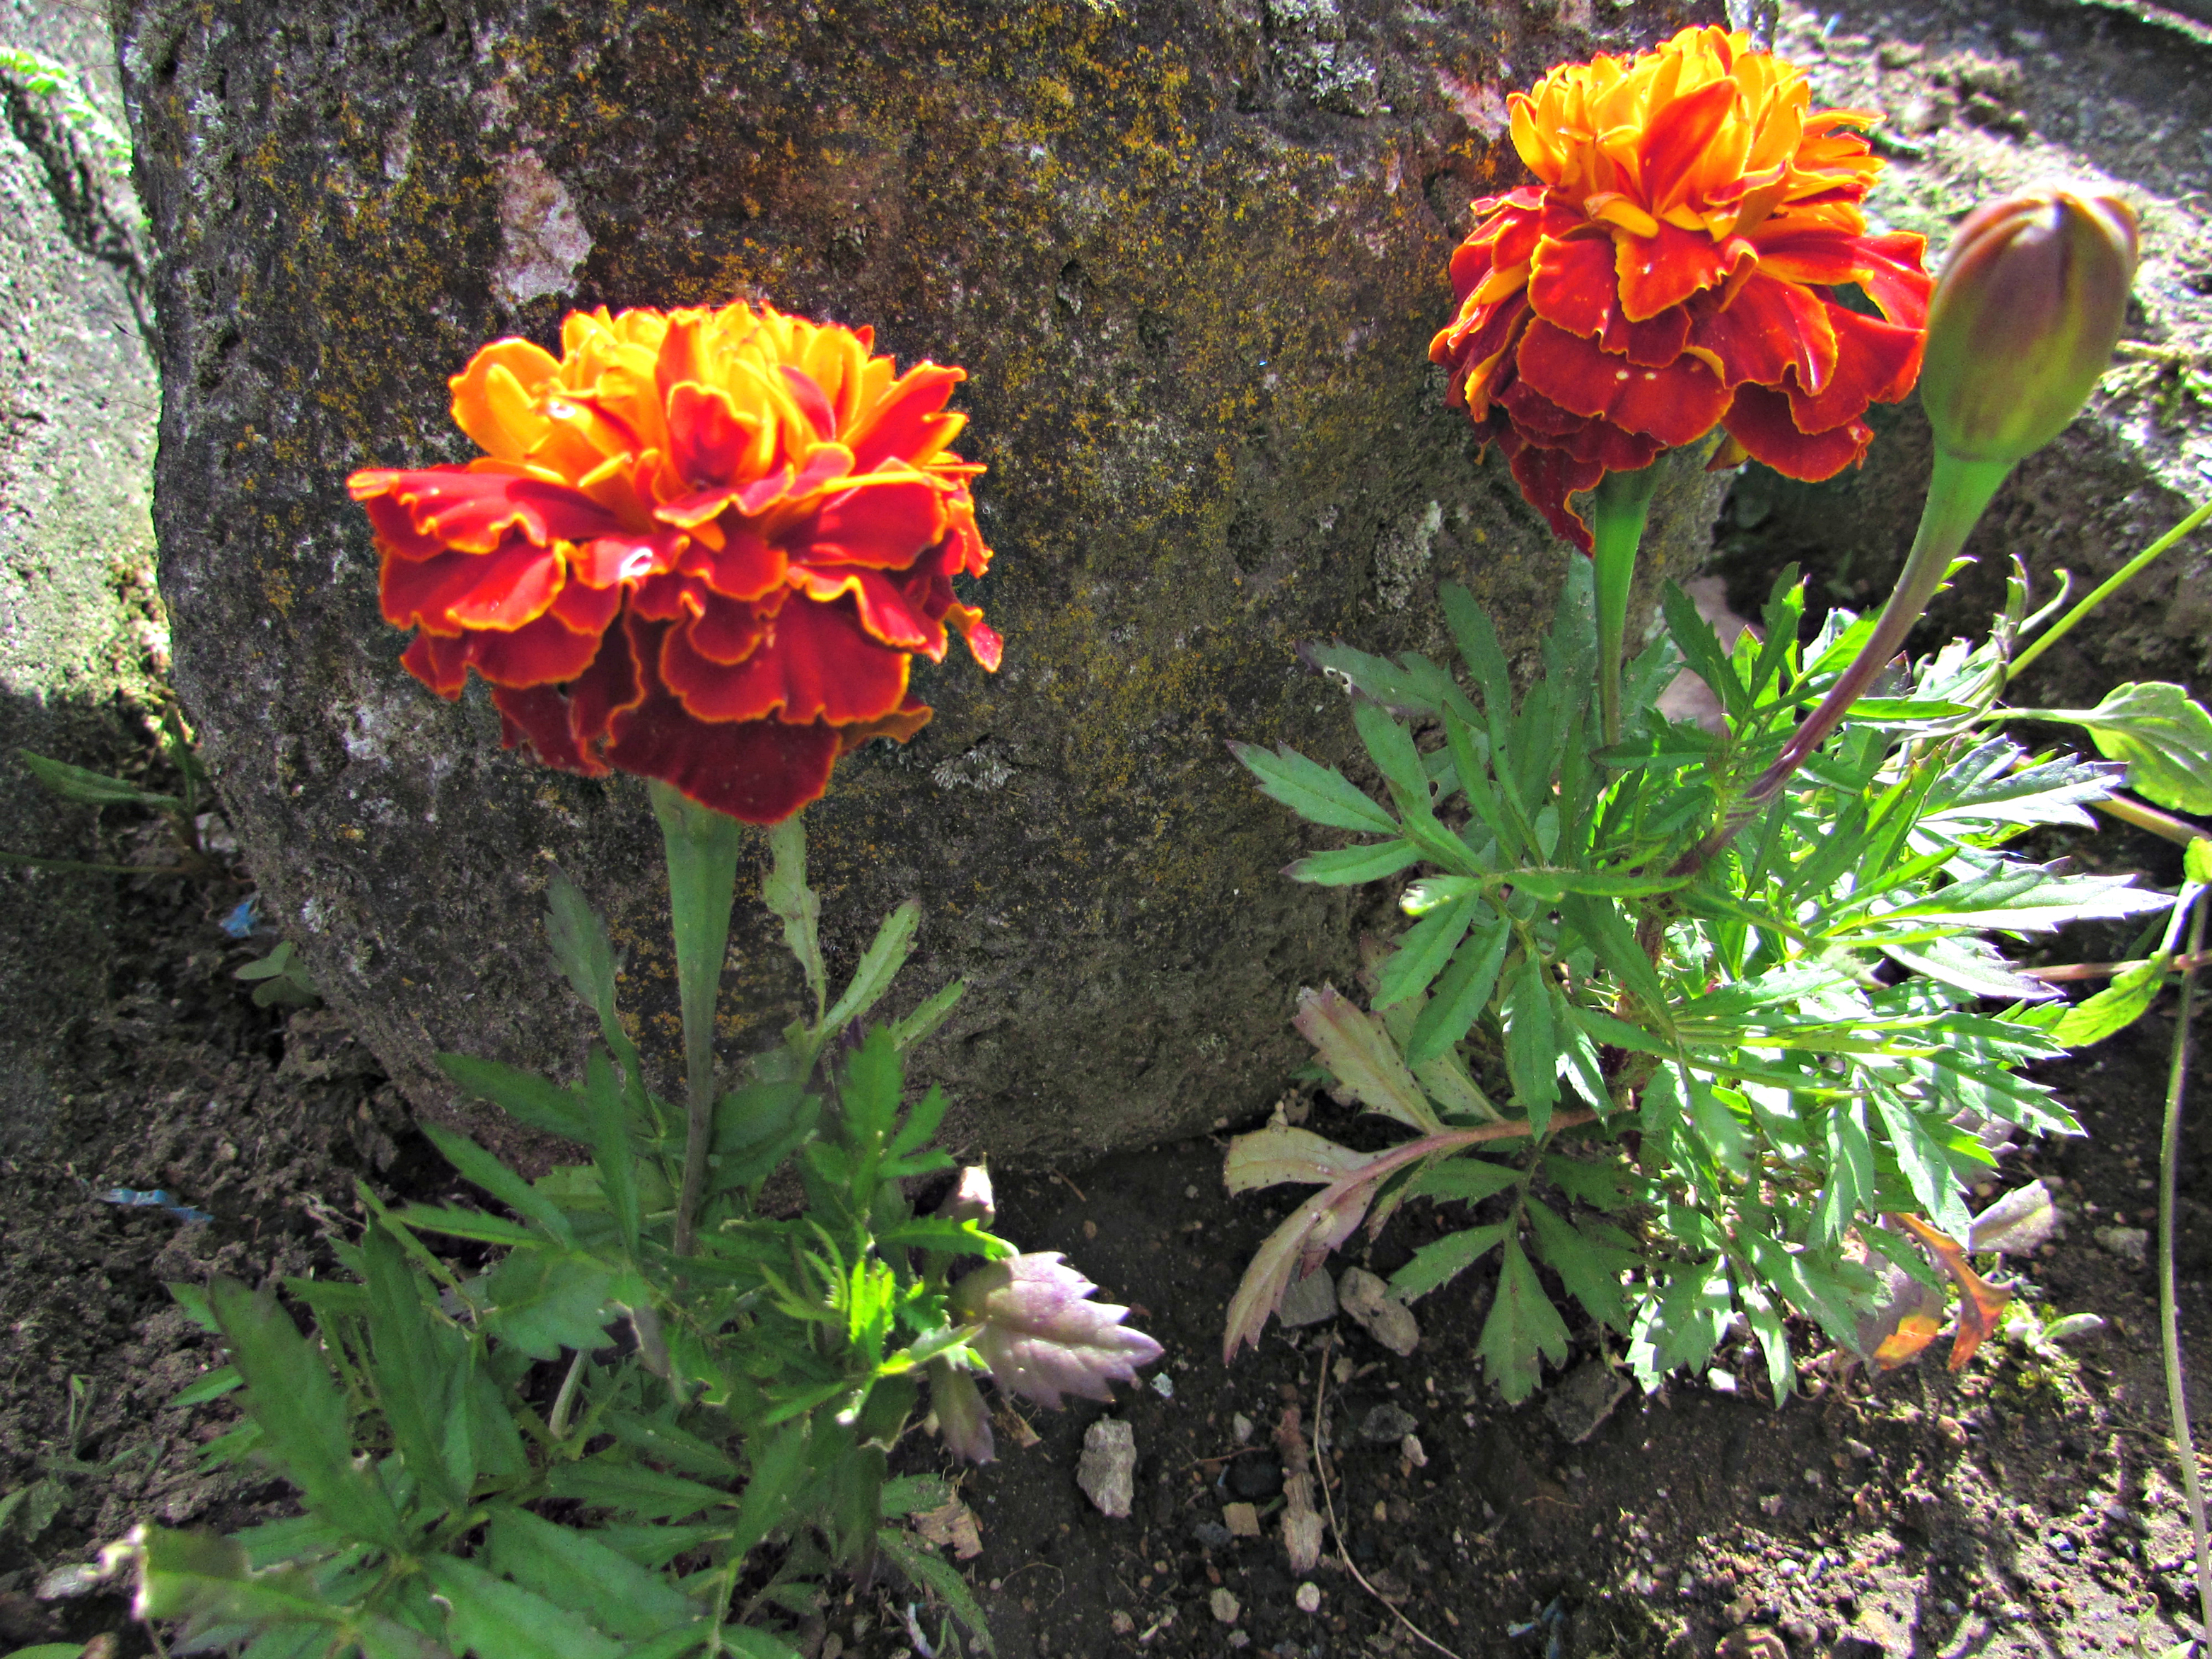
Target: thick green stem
<point>702,874</point>
<point>1957,495</point>
<point>2119,579</point>
<point>2169,1158</point>
<point>1623,502</point>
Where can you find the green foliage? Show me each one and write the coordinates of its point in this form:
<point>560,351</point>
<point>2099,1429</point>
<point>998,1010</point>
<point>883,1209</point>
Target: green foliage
<point>280,979</point>
<point>1716,1059</point>
<point>709,1468</point>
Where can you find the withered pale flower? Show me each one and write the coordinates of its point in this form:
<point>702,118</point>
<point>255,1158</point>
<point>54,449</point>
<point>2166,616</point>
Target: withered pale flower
<point>1682,264</point>
<point>1041,1336</point>
<point>2029,305</point>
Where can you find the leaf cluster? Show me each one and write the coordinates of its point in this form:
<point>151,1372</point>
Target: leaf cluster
<point>1675,1055</point>
<point>596,1448</point>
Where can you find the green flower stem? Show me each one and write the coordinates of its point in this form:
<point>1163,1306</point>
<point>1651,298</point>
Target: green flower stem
<point>2176,1398</point>
<point>1957,495</point>
<point>1623,502</point>
<point>702,874</point>
<point>2105,589</point>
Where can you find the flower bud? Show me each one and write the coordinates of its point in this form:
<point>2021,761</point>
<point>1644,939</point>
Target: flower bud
<point>2026,311</point>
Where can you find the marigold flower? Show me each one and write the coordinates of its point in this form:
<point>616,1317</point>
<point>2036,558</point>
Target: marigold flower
<point>1676,270</point>
<point>701,546</point>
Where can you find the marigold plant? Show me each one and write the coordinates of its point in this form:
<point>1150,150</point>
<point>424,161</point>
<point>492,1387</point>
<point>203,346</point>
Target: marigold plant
<point>701,546</point>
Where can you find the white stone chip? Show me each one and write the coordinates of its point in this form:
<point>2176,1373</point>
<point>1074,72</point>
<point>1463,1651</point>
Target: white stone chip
<point>1108,1472</point>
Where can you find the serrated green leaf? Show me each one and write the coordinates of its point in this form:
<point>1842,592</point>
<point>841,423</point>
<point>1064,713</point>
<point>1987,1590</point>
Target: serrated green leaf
<point>610,1151</point>
<point>1462,1180</point>
<point>1391,748</point>
<point>1614,942</point>
<point>1701,650</point>
<point>481,1169</point>
<point>1425,950</point>
<point>2160,731</point>
<point>543,1301</point>
<point>293,1400</point>
<point>920,1024</point>
<point>646,1494</point>
<point>2196,862</point>
<point>1921,1157</point>
<point>414,1379</point>
<point>576,1572</point>
<point>1521,1326</point>
<point>493,1617</point>
<point>1766,1321</point>
<point>1464,991</point>
<point>1532,1054</point>
<point>1353,865</point>
<point>1320,794</point>
<point>779,1469</point>
<point>216,1384</point>
<point>879,965</point>
<point>524,1095</point>
<point>929,1572</point>
<point>1607,1186</point>
<point>911,1493</point>
<point>1440,1262</point>
<point>466,1223</point>
<point>578,937</point>
<point>2116,1007</point>
<point>1589,1260</point>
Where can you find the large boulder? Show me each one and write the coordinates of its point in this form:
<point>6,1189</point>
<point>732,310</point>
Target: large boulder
<point>81,635</point>
<point>1191,254</point>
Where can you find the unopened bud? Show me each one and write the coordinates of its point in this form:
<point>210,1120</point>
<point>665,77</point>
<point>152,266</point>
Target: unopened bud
<point>2027,310</point>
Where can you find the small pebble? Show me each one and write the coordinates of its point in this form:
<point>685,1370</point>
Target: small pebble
<point>1121,1622</point>
<point>1368,1300</point>
<point>1309,1301</point>
<point>1308,1597</point>
<point>1108,1470</point>
<point>1242,1519</point>
<point>1411,1450</point>
<point>2129,1243</point>
<point>1241,1426</point>
<point>1225,1607</point>
<point>1212,1534</point>
<point>1163,1385</point>
<point>1386,1423</point>
<point>1720,1381</point>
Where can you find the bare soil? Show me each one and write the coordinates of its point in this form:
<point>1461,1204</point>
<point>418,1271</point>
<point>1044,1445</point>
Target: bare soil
<point>2026,1507</point>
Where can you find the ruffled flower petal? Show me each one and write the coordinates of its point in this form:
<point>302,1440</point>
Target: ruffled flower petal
<point>1675,268</point>
<point>702,547</point>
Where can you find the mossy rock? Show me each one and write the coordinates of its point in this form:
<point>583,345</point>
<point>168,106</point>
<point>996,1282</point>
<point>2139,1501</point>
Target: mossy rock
<point>1191,255</point>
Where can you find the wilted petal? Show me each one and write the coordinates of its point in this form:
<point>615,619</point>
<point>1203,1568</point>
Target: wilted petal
<point>1041,1336</point>
<point>971,1198</point>
<point>962,1417</point>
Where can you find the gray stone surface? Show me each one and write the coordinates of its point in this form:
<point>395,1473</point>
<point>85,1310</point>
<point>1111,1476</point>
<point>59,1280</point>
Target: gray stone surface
<point>81,633</point>
<point>1192,255</point>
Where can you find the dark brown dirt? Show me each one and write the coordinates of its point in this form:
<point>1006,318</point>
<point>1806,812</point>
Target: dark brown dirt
<point>2026,1507</point>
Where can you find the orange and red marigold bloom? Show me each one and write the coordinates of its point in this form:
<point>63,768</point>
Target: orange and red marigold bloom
<point>1676,270</point>
<point>701,546</point>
